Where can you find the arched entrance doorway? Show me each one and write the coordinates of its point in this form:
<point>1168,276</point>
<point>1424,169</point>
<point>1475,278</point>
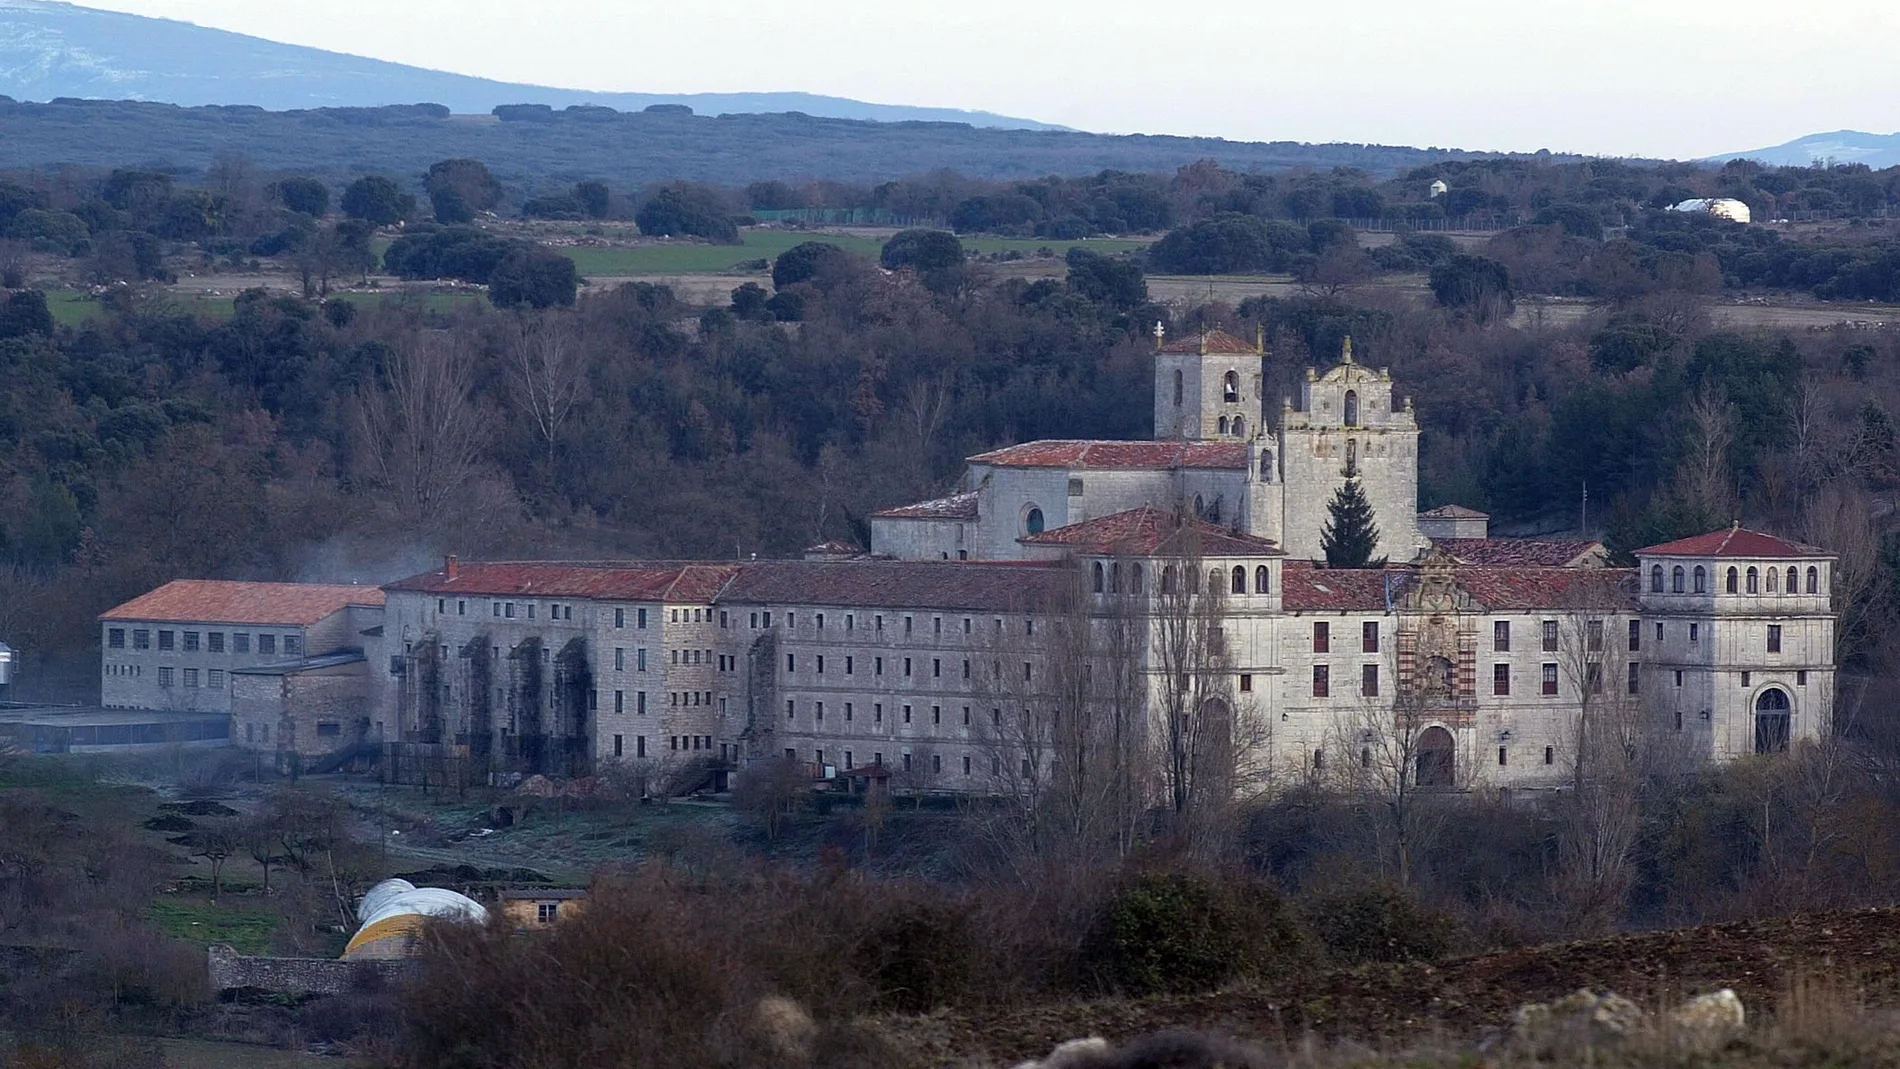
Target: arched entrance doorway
<point>1437,765</point>
<point>1772,719</point>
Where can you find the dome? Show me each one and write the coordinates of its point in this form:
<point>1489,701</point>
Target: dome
<point>1721,207</point>
<point>393,912</point>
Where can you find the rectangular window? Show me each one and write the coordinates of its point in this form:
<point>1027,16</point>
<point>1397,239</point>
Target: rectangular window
<point>267,644</point>
<point>1246,684</point>
<point>191,642</point>
<point>1501,679</point>
<point>906,714</point>
<point>1501,636</point>
<point>618,752</point>
<point>293,645</point>
<point>1369,637</point>
<point>1026,671</point>
<point>877,666</point>
<point>620,619</point>
<point>640,619</point>
<point>907,668</point>
<point>818,711</point>
<point>725,622</point>
<point>141,639</point>
<point>907,762</point>
<point>791,662</point>
<point>1593,636</point>
<point>1678,677</point>
<point>1322,637</point>
<point>1550,755</point>
<point>508,610</point>
<point>191,678</point>
<point>821,621</point>
<point>877,715</point>
<point>1593,678</point>
<point>847,712</point>
<point>639,746</point>
<point>164,677</point>
<point>1695,633</point>
<point>1801,678</point>
<point>115,638</point>
<point>328,729</point>
<point>215,641</point>
<point>1635,677</point>
<point>640,660</point>
<point>1636,635</point>
<point>936,763</point>
<point>821,664</point>
<point>1659,633</point>
<point>620,658</point>
<point>1369,680</point>
<point>791,709</point>
<point>640,703</point>
<point>1774,638</point>
<point>1550,636</point>
<point>936,668</point>
<point>1322,684</point>
<point>849,664</point>
<point>215,679</point>
<point>966,764</point>
<point>167,640</point>
<point>1550,678</point>
<point>936,714</point>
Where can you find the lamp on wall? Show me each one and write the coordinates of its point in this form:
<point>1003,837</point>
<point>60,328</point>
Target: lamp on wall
<point>1704,714</point>
<point>1505,735</point>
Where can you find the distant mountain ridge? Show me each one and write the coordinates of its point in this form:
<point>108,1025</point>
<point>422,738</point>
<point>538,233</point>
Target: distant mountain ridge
<point>50,50</point>
<point>1840,146</point>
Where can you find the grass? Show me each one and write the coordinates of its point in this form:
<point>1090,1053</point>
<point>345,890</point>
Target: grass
<point>246,928</point>
<point>691,258</point>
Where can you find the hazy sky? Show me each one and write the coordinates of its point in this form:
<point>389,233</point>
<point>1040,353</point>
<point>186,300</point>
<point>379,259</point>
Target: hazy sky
<point>1619,77</point>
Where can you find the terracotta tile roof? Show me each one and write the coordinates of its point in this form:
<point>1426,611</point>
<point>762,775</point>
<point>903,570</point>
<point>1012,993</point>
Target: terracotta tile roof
<point>1147,531</point>
<point>676,581</point>
<point>1454,512</point>
<point>1305,587</point>
<point>1213,341</point>
<point>954,507</point>
<point>1523,589</point>
<point>221,602</point>
<point>1520,551</point>
<point>1734,542</point>
<point>1118,456</point>
<point>986,586</point>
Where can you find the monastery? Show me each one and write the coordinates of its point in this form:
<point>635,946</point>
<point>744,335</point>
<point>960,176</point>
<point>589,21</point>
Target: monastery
<point>1184,576</point>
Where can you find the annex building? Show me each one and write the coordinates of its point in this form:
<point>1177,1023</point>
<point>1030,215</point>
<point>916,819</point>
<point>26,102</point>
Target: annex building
<point>1176,577</point>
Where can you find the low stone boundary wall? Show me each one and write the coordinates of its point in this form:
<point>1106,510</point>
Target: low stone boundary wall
<point>300,976</point>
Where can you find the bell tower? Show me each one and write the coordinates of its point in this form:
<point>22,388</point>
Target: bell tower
<point>1207,387</point>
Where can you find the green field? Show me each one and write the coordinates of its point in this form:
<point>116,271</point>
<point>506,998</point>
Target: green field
<point>73,308</point>
<point>246,928</point>
<point>692,258</point>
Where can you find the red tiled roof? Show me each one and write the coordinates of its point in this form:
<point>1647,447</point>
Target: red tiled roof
<point>1517,551</point>
<point>1214,341</point>
<point>954,507</point>
<point>1118,456</point>
<point>987,586</point>
<point>1734,542</point>
<point>1454,512</point>
<point>677,581</point>
<point>1305,587</point>
<point>1147,531</point>
<point>217,601</point>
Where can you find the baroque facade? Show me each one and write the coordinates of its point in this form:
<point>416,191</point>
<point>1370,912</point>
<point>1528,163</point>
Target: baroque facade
<point>1126,574</point>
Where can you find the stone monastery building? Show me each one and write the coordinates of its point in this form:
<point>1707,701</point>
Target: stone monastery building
<point>1189,562</point>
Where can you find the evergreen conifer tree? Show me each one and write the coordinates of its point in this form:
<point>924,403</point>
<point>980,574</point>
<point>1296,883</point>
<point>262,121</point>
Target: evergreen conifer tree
<point>1350,534</point>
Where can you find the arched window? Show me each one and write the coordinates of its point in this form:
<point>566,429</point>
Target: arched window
<point>1266,466</point>
<point>1032,520</point>
<point>1352,408</point>
<point>1814,580</point>
<point>1239,584</point>
<point>1167,579</point>
<point>1177,389</point>
<point>1734,581</point>
<point>1098,577</point>
<point>1240,427</point>
<point>1774,581</point>
<point>1230,388</point>
<point>1200,507</point>
<point>1261,579</point>
<point>1794,581</point>
<point>1656,579</point>
<point>1223,424</point>
<point>1134,579</point>
<point>1754,581</point>
<point>1701,580</point>
<point>1675,580</point>
<point>1115,578</point>
<point>1436,763</point>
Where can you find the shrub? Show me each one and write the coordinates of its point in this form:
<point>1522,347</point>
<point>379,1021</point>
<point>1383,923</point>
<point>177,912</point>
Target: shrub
<point>1378,924</point>
<point>1188,931</point>
<point>916,955</point>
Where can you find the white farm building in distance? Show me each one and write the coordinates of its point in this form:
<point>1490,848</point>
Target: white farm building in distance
<point>1175,578</point>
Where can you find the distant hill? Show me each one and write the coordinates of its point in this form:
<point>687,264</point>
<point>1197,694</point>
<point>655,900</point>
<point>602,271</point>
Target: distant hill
<point>50,50</point>
<point>1841,146</point>
<point>623,148</point>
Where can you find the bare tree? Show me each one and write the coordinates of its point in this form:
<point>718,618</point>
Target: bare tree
<point>1705,471</point>
<point>550,372</point>
<point>423,435</point>
<point>1379,748</point>
<point>1840,517</point>
<point>1201,735</point>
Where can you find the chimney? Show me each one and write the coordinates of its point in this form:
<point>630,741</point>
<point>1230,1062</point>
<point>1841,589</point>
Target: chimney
<point>451,567</point>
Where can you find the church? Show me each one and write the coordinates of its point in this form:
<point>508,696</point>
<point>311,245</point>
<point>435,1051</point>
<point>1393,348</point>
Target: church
<point>1180,577</point>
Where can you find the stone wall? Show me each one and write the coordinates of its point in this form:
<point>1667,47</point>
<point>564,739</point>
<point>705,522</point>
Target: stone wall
<point>300,976</point>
